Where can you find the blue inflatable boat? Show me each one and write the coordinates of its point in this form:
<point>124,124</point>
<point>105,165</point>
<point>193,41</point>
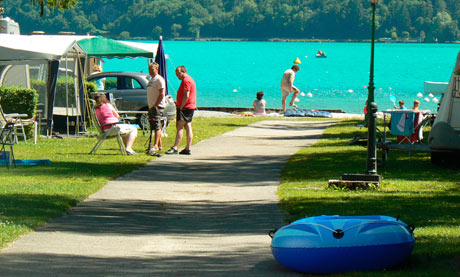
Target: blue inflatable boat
<point>333,244</point>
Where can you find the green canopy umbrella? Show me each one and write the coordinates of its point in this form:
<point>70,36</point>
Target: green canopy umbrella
<point>101,47</point>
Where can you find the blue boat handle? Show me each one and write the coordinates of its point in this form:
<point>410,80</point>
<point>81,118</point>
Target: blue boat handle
<point>411,228</point>
<point>271,233</point>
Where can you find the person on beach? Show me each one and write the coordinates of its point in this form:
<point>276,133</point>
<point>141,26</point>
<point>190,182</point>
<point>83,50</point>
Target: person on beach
<point>401,105</point>
<point>287,86</point>
<point>157,103</point>
<point>186,105</point>
<point>259,104</point>
<point>109,118</point>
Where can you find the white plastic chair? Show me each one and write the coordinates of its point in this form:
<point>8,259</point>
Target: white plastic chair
<point>113,132</point>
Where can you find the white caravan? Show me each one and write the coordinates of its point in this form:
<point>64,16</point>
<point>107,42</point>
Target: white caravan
<point>8,25</point>
<point>444,138</point>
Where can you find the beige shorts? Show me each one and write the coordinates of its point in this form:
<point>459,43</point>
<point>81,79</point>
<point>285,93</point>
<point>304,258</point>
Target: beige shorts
<point>125,129</point>
<point>285,92</point>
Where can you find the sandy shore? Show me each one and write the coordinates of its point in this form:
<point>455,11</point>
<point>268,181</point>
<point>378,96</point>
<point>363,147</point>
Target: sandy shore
<point>204,113</point>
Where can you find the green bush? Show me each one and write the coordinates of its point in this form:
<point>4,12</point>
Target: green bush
<point>40,87</point>
<point>60,97</point>
<point>91,88</point>
<point>19,100</point>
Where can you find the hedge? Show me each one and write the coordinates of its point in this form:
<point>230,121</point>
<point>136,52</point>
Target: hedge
<point>59,101</point>
<point>19,100</point>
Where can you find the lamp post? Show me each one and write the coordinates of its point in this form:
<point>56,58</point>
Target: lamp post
<point>370,176</point>
<point>371,162</point>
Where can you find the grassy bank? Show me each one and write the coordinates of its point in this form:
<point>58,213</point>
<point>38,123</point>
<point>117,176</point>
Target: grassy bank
<point>422,194</point>
<point>31,195</point>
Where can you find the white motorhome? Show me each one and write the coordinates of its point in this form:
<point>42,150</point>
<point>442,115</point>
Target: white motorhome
<point>8,25</point>
<point>444,138</point>
<point>16,75</point>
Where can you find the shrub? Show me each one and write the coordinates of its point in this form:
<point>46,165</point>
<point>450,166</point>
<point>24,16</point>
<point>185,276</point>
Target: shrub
<point>91,88</point>
<point>19,100</point>
<point>59,101</point>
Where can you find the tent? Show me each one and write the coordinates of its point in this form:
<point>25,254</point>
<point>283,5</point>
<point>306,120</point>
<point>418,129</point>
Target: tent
<point>49,57</point>
<point>21,49</point>
<point>40,57</point>
<point>100,47</point>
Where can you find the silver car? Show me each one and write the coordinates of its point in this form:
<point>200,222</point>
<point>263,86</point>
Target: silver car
<point>130,92</point>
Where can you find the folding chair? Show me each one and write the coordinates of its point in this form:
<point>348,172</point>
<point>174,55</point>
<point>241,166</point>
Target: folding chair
<point>113,132</point>
<point>7,139</point>
<point>19,121</point>
<point>402,124</point>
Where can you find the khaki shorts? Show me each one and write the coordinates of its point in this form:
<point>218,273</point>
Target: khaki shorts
<point>285,92</point>
<point>156,115</point>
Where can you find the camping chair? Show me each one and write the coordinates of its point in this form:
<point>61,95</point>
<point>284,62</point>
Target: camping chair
<point>7,139</point>
<point>408,125</point>
<point>113,132</point>
<point>19,121</point>
<point>124,115</point>
<point>402,124</point>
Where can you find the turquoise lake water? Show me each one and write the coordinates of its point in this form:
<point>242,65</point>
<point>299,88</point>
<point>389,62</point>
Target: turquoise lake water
<point>228,74</point>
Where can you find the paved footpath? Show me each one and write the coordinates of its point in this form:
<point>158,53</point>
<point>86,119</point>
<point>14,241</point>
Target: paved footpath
<point>202,215</point>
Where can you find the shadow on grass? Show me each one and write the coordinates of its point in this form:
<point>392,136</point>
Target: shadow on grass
<point>332,165</point>
<point>76,169</point>
<point>28,209</point>
<point>414,208</point>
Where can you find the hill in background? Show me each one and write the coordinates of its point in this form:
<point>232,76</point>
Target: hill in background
<point>420,20</point>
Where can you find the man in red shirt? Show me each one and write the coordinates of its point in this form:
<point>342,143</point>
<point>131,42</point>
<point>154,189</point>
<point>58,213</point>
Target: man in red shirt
<point>186,105</point>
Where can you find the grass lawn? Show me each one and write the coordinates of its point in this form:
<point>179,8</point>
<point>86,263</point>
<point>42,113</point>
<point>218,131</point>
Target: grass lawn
<point>31,195</point>
<point>422,194</point>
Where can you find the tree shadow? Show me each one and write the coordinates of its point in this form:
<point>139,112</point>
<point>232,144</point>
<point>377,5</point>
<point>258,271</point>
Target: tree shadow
<point>142,217</point>
<point>27,209</point>
<point>240,262</point>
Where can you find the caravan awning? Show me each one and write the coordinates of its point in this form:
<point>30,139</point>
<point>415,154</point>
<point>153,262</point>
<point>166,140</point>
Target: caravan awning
<point>100,47</point>
<point>16,49</point>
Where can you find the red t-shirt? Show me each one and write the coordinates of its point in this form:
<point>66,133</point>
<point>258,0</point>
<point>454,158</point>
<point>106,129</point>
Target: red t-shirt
<point>187,84</point>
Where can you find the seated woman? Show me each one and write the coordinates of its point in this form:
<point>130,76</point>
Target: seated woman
<point>109,118</point>
<point>259,104</point>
